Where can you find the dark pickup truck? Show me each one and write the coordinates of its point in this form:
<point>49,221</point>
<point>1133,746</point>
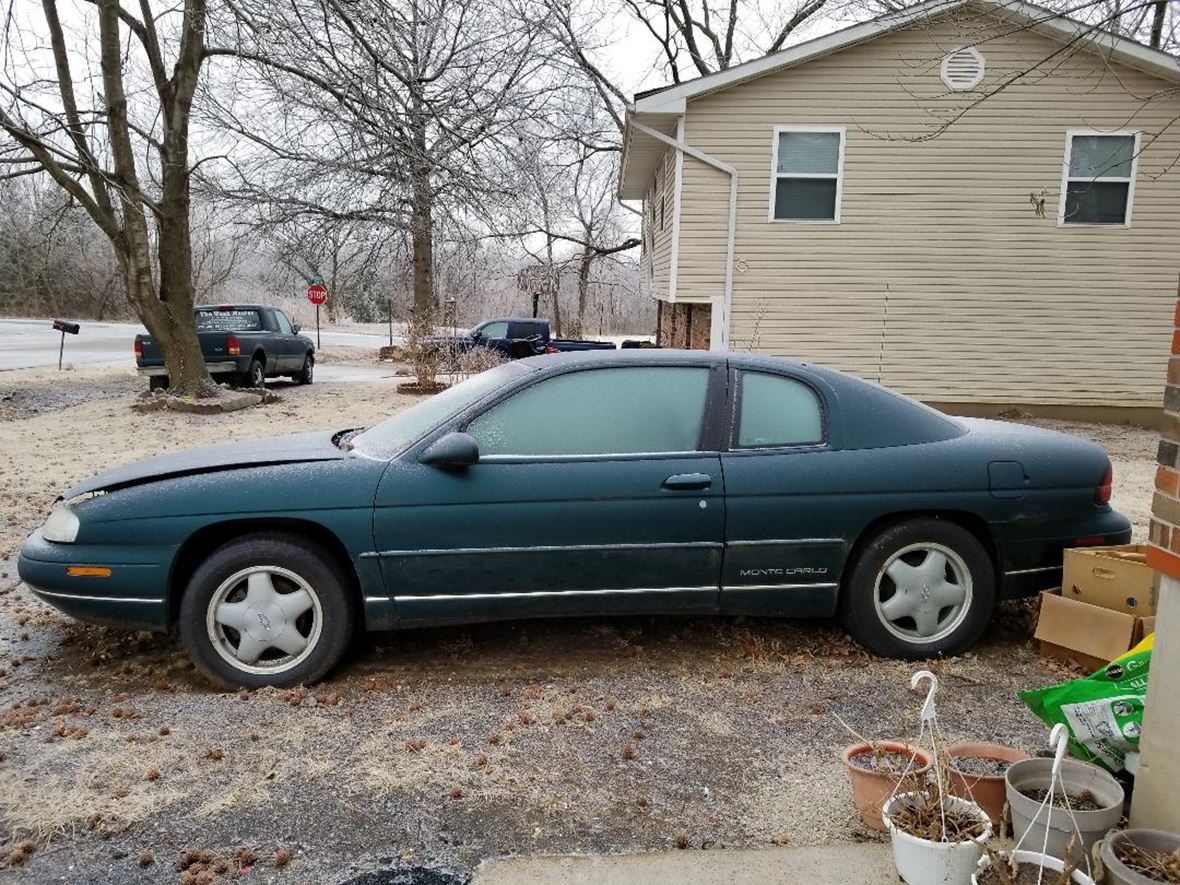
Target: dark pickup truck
<point>516,338</point>
<point>242,343</point>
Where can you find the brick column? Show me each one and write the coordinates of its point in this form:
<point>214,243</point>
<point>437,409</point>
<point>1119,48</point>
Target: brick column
<point>1155,802</point>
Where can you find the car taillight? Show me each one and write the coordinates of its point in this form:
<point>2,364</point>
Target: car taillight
<point>138,349</point>
<point>1102,493</point>
<point>234,346</point>
<point>552,350</point>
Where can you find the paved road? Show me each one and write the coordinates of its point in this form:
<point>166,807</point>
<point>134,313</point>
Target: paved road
<point>27,344</point>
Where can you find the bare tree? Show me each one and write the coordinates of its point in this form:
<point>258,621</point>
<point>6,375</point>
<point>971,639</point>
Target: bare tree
<point>125,156</point>
<point>53,260</point>
<point>406,110</point>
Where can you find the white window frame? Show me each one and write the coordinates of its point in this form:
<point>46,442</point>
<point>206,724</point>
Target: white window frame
<point>775,175</point>
<point>1066,179</point>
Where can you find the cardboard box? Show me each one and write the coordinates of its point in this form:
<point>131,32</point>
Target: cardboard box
<point>1090,635</point>
<point>1117,578</point>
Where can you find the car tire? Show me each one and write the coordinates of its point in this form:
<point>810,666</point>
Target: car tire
<point>256,375</point>
<point>158,382</point>
<point>267,609</point>
<point>919,589</point>
<point>307,373</point>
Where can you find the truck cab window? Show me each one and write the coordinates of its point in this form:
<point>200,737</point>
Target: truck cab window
<point>284,323</point>
<point>493,330</point>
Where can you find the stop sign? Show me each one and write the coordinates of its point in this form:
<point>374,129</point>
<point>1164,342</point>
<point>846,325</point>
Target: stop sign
<point>317,293</point>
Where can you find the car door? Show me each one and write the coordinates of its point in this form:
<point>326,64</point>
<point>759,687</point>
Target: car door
<point>597,490</point>
<point>289,349</point>
<point>785,525</point>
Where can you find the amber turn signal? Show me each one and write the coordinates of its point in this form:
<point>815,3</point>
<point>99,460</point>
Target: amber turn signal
<point>88,571</point>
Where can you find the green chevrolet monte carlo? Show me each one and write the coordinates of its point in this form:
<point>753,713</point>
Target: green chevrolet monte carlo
<point>637,482</point>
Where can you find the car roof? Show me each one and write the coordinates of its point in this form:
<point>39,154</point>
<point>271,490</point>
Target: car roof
<point>875,416</point>
<point>235,306</point>
<point>514,320</point>
<point>640,355</point>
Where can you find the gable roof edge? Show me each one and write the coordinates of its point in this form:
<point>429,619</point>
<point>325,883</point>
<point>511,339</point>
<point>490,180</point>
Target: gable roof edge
<point>1144,58</point>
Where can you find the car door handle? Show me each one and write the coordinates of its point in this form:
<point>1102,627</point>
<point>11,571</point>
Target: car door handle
<point>688,482</point>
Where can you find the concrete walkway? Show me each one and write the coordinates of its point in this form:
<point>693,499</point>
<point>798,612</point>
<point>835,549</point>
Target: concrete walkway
<point>837,865</point>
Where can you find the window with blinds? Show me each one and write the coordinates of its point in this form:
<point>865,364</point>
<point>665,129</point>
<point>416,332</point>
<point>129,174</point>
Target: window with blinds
<point>1099,178</point>
<point>808,167</point>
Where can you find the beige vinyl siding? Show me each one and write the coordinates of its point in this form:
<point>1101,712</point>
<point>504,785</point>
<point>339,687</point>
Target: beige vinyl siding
<point>986,301</point>
<point>662,189</point>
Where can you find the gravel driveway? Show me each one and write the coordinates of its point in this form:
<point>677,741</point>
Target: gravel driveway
<point>437,748</point>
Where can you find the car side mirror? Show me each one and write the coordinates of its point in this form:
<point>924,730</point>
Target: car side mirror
<point>295,328</point>
<point>453,450</point>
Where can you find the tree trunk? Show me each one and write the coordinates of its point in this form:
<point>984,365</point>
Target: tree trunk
<point>421,217</point>
<point>1157,23</point>
<point>584,262</point>
<point>554,285</point>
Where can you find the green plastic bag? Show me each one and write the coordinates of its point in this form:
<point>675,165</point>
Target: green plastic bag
<point>1103,711</point>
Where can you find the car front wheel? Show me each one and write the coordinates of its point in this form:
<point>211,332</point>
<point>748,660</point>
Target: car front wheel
<point>267,610</point>
<point>919,589</point>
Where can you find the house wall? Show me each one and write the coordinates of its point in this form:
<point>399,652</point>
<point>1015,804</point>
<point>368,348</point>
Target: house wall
<point>657,229</point>
<point>940,279</point>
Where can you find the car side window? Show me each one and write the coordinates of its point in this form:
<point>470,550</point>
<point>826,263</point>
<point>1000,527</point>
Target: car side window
<point>494,330</point>
<point>777,411</point>
<point>626,410</point>
<point>284,323</point>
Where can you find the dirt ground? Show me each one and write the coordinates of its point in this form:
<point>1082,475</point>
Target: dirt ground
<point>437,748</point>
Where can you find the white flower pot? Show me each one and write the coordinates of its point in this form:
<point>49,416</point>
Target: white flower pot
<point>923,862</point>
<point>1047,863</point>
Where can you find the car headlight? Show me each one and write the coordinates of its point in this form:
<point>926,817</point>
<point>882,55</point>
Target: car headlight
<point>62,525</point>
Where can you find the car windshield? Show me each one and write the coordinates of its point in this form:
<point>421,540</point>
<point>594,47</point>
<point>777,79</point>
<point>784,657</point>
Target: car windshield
<point>386,439</point>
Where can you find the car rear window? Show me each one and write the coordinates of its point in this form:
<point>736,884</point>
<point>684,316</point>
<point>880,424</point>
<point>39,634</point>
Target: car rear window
<point>234,319</point>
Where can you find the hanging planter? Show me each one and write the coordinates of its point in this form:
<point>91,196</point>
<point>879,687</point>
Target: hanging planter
<point>935,842</point>
<point>878,770</point>
<point>1086,802</point>
<point>1025,868</point>
<point>1141,857</point>
<point>977,774</point>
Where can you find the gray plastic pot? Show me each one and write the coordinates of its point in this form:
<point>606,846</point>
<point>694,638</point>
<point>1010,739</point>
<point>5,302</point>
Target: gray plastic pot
<point>1034,774</point>
<point>1117,872</point>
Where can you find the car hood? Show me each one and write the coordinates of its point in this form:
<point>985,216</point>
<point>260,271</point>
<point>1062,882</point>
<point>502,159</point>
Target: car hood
<point>315,446</point>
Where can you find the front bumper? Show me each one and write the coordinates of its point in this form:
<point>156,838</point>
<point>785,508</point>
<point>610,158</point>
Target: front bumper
<point>1033,564</point>
<point>133,596</point>
<point>222,367</point>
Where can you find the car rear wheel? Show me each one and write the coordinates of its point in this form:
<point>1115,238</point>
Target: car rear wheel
<point>919,589</point>
<point>267,610</point>
<point>307,373</point>
<point>255,375</point>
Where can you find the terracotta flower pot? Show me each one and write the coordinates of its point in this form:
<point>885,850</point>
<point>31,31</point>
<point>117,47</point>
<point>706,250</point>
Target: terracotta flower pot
<point>986,790</point>
<point>871,788</point>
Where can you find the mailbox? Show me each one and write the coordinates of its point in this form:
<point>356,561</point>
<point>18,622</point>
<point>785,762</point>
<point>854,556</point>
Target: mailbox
<point>63,327</point>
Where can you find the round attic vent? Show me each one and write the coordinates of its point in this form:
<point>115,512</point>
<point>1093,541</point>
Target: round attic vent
<point>962,69</point>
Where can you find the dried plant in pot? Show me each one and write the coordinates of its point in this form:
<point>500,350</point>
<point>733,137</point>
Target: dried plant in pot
<point>1027,868</point>
<point>880,769</point>
<point>937,838</point>
<point>1141,857</point>
<point>977,773</point>
<point>1005,864</point>
<point>1078,811</point>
